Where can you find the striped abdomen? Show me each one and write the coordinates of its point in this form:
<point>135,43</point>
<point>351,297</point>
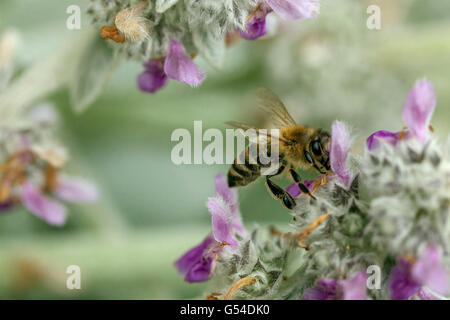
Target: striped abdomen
<point>245,172</point>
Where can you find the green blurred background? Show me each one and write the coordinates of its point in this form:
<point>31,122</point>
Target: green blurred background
<point>151,211</point>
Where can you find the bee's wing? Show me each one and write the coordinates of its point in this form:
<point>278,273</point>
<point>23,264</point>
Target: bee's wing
<point>272,104</point>
<point>240,125</point>
<point>264,140</point>
<point>261,136</point>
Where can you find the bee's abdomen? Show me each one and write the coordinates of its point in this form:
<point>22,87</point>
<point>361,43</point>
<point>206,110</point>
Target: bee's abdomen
<point>239,175</point>
<point>243,172</point>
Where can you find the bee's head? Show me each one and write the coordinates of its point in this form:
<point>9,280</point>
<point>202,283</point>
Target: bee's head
<point>317,151</point>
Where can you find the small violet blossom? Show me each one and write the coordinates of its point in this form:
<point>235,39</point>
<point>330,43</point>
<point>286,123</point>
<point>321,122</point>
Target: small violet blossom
<point>5,206</point>
<point>286,9</point>
<point>409,278</point>
<point>154,77</point>
<point>177,65</point>
<point>68,189</point>
<point>256,25</point>
<point>418,109</point>
<point>374,140</point>
<point>330,289</point>
<point>295,9</point>
<point>417,112</point>
<point>197,263</point>
<point>37,199</point>
<point>339,149</point>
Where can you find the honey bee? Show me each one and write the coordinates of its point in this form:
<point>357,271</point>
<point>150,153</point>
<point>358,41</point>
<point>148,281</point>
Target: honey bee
<point>299,147</point>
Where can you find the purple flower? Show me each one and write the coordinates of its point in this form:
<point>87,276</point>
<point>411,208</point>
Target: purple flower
<point>353,288</point>
<point>410,278</point>
<point>386,136</point>
<point>43,207</point>
<point>154,77</point>
<point>226,193</point>
<point>77,190</point>
<point>197,264</point>
<point>339,148</point>
<point>418,109</point>
<point>179,66</point>
<point>417,112</point>
<point>5,206</point>
<point>295,9</point>
<point>325,289</point>
<point>231,199</point>
<point>294,190</point>
<point>287,9</point>
<point>330,289</point>
<point>221,219</point>
<point>256,26</point>
<point>69,189</point>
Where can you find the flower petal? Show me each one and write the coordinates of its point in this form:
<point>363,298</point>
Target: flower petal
<point>179,66</point>
<point>386,136</point>
<point>201,271</point>
<point>354,288</point>
<point>5,206</point>
<point>324,289</point>
<point>221,221</point>
<point>339,148</point>
<point>294,190</point>
<point>418,108</point>
<point>76,190</point>
<point>153,78</point>
<point>223,190</point>
<point>295,9</point>
<point>256,27</point>
<point>401,284</point>
<point>426,295</point>
<point>428,271</point>
<point>192,257</point>
<point>230,196</point>
<point>50,211</point>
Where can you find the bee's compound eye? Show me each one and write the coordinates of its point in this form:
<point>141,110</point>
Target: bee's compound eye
<point>308,157</point>
<point>316,148</point>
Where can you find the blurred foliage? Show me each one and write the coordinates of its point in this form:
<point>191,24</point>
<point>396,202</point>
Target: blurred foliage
<point>153,210</point>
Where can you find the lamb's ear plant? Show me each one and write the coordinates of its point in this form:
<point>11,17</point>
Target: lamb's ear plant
<point>379,227</point>
<point>166,35</point>
<point>32,159</point>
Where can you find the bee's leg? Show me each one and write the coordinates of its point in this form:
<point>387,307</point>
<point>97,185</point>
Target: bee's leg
<point>279,193</point>
<point>296,177</point>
